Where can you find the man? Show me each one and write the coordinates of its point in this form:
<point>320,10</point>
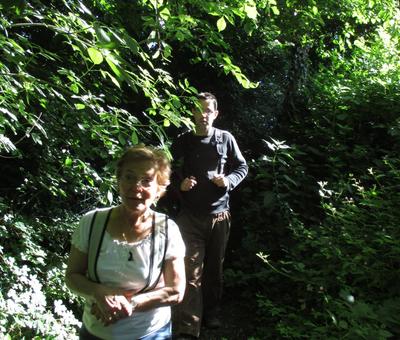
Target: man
<point>209,166</point>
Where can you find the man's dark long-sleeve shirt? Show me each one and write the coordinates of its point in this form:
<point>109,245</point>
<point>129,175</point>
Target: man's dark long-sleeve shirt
<point>198,156</point>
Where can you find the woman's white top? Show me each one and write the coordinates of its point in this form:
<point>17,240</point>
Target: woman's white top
<point>126,265</point>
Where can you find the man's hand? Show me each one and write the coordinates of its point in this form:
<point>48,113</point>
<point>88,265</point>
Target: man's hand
<point>188,183</point>
<point>220,181</point>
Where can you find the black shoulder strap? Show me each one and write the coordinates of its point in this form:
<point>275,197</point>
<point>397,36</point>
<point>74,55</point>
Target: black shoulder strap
<point>158,252</point>
<point>153,236</point>
<point>218,136</point>
<point>96,234</point>
<point>219,144</point>
<point>164,252</point>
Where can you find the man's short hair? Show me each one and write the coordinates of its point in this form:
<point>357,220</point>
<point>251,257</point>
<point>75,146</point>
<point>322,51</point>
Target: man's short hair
<point>208,96</point>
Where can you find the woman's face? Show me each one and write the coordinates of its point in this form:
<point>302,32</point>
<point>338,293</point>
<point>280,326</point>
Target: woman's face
<point>138,187</point>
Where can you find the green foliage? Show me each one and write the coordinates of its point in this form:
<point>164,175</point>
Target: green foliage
<point>341,273</point>
<point>67,96</point>
<point>34,302</point>
<point>86,80</point>
<point>326,230</point>
<point>80,81</point>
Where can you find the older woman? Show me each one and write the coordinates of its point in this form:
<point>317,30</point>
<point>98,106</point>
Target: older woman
<point>127,261</point>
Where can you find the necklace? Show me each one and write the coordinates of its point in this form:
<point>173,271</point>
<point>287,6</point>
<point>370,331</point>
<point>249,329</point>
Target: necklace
<point>139,236</point>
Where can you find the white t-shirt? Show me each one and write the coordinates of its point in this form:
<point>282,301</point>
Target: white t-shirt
<point>126,265</point>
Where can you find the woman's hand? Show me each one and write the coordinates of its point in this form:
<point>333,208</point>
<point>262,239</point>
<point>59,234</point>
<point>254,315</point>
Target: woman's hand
<point>111,308</point>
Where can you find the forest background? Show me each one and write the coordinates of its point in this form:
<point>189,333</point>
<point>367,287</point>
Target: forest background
<point>310,89</point>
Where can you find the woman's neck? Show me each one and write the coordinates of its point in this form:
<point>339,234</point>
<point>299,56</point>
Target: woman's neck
<point>133,226</point>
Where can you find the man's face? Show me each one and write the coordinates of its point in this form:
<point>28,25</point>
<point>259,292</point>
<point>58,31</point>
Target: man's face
<point>204,117</point>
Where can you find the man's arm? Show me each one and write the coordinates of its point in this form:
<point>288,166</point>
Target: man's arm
<point>237,166</point>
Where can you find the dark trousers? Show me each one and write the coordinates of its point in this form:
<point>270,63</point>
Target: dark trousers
<point>205,238</point>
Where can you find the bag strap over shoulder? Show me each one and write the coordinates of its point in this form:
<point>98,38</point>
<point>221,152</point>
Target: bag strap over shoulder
<point>158,251</point>
<point>159,243</point>
<point>162,249</point>
<point>98,225</point>
<point>219,144</point>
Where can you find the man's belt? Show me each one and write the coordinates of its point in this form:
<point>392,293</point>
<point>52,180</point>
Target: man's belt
<point>222,216</point>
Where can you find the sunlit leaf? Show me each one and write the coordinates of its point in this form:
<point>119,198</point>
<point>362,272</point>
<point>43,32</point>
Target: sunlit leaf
<point>113,79</point>
<point>9,113</point>
<point>80,106</point>
<point>68,161</point>
<point>251,11</point>
<point>165,13</point>
<point>221,24</point>
<point>117,71</point>
<point>275,10</point>
<point>6,143</point>
<point>95,55</point>
<point>84,9</point>
<point>74,88</point>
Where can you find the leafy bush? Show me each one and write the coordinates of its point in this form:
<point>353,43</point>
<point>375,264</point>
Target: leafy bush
<point>336,278</point>
<point>34,301</point>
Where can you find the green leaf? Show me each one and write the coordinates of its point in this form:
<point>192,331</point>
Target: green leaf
<point>10,114</point>
<point>290,180</point>
<point>132,43</point>
<point>68,162</point>
<point>113,79</point>
<point>117,39</point>
<point>95,55</point>
<point>166,122</point>
<point>80,106</point>
<point>221,24</point>
<point>84,9</point>
<point>275,10</point>
<point>251,11</point>
<point>121,139</point>
<point>5,143</point>
<point>180,36</point>
<point>111,62</point>
<point>134,138</point>
<point>74,88</point>
<point>102,36</point>
<point>165,13</point>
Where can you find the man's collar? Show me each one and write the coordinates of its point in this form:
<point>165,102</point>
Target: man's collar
<point>210,133</point>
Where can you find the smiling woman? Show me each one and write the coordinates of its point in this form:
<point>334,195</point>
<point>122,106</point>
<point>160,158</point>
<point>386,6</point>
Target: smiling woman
<point>142,175</point>
<point>127,261</point>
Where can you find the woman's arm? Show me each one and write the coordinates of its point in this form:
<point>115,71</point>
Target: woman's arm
<point>106,298</point>
<point>173,291</point>
<point>75,275</point>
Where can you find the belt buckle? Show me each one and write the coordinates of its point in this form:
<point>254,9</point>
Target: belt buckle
<point>220,216</point>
